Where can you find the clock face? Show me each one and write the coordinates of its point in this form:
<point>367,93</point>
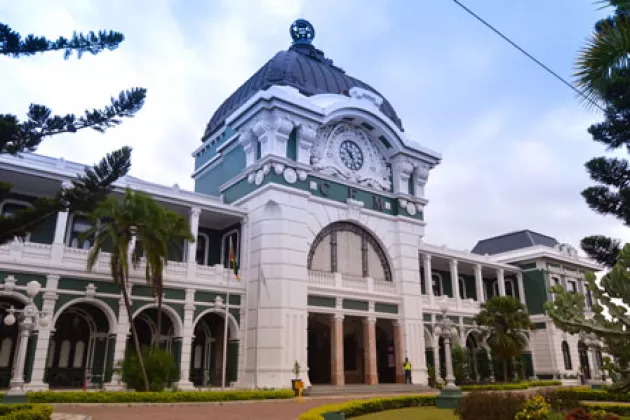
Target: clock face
<point>351,155</point>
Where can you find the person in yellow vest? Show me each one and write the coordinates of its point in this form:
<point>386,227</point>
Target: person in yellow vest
<point>407,370</point>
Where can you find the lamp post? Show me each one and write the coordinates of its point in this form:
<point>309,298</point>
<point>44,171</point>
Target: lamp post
<point>29,319</point>
<point>450,394</point>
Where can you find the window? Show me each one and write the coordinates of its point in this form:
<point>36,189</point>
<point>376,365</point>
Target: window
<point>554,282</point>
<point>77,227</point>
<point>462,289</point>
<point>229,239</point>
<point>509,288</point>
<point>566,354</point>
<point>437,284</point>
<point>572,286</point>
<point>203,246</point>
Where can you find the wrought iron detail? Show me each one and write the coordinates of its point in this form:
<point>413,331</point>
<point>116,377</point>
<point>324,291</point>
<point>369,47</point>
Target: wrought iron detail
<point>331,230</point>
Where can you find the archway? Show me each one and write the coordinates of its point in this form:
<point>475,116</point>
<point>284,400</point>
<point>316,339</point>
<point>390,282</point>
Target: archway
<point>8,338</point>
<point>80,348</point>
<point>351,250</point>
<point>353,350</point>
<point>206,361</point>
<point>319,349</point>
<point>585,366</point>
<point>385,352</point>
<point>145,321</point>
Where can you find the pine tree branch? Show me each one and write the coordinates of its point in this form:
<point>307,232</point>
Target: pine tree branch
<point>86,192</point>
<point>602,249</point>
<point>609,171</point>
<point>16,137</point>
<point>12,44</point>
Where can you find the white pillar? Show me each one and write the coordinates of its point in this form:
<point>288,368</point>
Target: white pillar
<point>436,359</point>
<point>428,281</point>
<point>60,227</point>
<point>479,283</point>
<point>455,281</point>
<point>521,288</point>
<point>186,354</point>
<point>17,380</point>
<point>501,281</point>
<point>43,335</point>
<point>195,212</point>
<point>122,332</point>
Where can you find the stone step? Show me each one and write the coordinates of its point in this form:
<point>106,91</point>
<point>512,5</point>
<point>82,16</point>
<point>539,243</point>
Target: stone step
<point>358,389</point>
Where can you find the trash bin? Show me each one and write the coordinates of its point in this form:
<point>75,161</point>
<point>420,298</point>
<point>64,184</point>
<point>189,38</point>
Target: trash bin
<point>334,416</point>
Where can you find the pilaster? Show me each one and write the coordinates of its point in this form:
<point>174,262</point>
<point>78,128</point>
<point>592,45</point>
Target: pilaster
<point>184,367</point>
<point>455,282</point>
<point>479,283</point>
<point>337,376</point>
<point>369,348</point>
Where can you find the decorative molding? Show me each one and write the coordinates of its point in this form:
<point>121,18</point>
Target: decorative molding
<point>325,156</point>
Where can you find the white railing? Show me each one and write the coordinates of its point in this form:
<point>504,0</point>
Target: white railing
<point>58,257</point>
<point>384,287</point>
<point>354,283</point>
<point>322,278</point>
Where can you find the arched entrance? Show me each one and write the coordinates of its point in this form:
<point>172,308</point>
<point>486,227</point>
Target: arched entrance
<point>318,348</point>
<point>8,339</point>
<point>146,328</point>
<point>80,348</point>
<point>385,352</point>
<point>353,350</point>
<point>206,362</point>
<point>585,366</point>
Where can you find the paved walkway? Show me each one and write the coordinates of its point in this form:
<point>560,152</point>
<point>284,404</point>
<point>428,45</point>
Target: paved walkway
<point>244,410</point>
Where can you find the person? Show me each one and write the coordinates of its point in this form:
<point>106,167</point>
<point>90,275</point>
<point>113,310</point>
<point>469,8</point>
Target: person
<point>407,370</point>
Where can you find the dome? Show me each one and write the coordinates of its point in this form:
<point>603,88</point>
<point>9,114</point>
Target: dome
<point>303,67</point>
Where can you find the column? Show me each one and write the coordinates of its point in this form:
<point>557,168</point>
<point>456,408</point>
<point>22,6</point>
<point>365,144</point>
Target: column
<point>60,227</point>
<point>398,351</point>
<point>455,282</point>
<point>436,359</point>
<point>41,351</point>
<point>448,360</point>
<point>194,229</point>
<point>479,283</point>
<point>337,376</point>
<point>521,288</point>
<point>17,380</point>
<point>184,365</point>
<point>369,344</point>
<point>122,332</point>
<point>501,281</point>
<point>428,281</point>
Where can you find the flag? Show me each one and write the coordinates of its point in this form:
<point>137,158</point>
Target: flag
<point>233,262</point>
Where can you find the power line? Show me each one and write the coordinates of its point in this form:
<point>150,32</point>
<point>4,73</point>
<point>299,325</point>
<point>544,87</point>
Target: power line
<point>531,57</point>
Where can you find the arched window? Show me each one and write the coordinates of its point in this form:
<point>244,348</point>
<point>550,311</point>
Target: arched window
<point>438,288</point>
<point>509,288</point>
<point>79,349</point>
<point>203,247</point>
<point>463,294</point>
<point>64,354</point>
<point>230,238</point>
<point>348,249</point>
<point>198,354</point>
<point>566,354</point>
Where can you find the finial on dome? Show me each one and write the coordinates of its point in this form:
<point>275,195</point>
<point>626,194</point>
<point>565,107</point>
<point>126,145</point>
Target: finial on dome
<point>302,32</point>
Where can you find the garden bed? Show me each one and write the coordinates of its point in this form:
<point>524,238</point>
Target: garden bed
<point>367,406</point>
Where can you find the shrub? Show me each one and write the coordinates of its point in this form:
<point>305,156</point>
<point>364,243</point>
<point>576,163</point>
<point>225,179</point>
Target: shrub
<point>561,400</point>
<point>534,384</point>
<point>602,415</point>
<point>490,406</point>
<point>587,394</point>
<point>535,408</point>
<point>361,407</point>
<point>610,408</point>
<point>161,369</point>
<point>495,387</point>
<point>461,364</point>
<point>25,412</point>
<point>104,397</point>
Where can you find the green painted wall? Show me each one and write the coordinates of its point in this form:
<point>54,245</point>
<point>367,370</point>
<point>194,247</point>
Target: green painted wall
<point>22,278</point>
<point>534,284</point>
<point>447,285</point>
<point>471,288</point>
<point>326,302</point>
<point>386,308</point>
<point>210,151</point>
<point>45,233</point>
<point>232,361</point>
<point>231,165</point>
<point>356,305</point>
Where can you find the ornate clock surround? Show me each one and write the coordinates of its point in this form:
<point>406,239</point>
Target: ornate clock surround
<point>326,156</point>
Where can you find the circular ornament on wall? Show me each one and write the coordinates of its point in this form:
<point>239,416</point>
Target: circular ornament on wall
<point>290,176</point>
<point>260,175</point>
<point>411,209</point>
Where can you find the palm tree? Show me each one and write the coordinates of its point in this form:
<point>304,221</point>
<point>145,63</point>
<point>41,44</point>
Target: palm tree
<point>505,319</point>
<point>116,222</point>
<point>606,54</point>
<point>170,230</point>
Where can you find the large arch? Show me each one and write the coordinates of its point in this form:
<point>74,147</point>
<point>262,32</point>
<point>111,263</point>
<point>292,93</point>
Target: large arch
<point>107,310</point>
<point>81,346</point>
<point>173,316</point>
<point>233,328</point>
<point>324,252</point>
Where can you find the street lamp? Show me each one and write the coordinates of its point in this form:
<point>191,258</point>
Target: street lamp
<point>450,394</point>
<point>29,319</point>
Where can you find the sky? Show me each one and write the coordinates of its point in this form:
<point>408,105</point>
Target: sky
<point>513,138</point>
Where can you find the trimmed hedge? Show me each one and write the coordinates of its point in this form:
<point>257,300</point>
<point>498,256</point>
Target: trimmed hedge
<point>619,409</point>
<point>25,412</point>
<point>596,395</point>
<point>510,387</point>
<point>367,406</point>
<point>105,397</point>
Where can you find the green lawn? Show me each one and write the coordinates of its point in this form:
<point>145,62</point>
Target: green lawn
<point>415,413</point>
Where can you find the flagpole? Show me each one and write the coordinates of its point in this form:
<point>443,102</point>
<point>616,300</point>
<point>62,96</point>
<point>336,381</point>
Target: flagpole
<point>225,336</point>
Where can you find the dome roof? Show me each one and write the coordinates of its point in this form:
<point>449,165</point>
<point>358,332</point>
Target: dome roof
<point>303,67</point>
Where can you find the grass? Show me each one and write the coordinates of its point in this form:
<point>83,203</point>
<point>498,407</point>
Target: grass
<point>414,413</point>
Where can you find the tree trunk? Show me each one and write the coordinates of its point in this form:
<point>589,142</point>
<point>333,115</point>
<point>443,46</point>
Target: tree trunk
<point>505,371</point>
<point>159,312</point>
<point>123,283</point>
